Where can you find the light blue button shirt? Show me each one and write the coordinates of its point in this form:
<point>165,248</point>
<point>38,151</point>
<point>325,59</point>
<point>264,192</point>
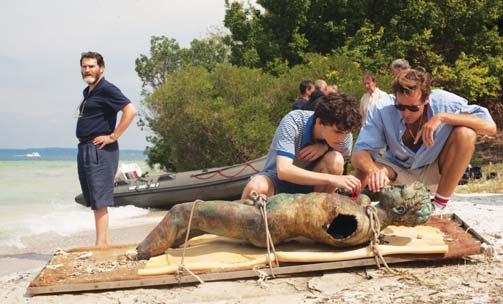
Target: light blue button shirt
<point>385,127</point>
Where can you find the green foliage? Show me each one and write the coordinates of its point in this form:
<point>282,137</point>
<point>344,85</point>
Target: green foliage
<point>205,119</point>
<point>469,78</point>
<point>166,57</point>
<point>228,115</point>
<point>204,112</point>
<point>207,52</point>
<point>435,34</point>
<point>245,31</point>
<point>366,47</point>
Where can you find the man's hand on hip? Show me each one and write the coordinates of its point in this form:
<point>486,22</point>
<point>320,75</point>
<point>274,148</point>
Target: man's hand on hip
<point>103,140</point>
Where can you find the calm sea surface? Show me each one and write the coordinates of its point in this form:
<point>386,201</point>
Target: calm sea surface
<point>37,196</point>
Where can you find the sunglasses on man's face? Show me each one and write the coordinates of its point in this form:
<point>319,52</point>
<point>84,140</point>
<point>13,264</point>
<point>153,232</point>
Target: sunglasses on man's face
<point>412,108</point>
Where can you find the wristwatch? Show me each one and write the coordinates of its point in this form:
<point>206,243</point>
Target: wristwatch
<point>112,136</point>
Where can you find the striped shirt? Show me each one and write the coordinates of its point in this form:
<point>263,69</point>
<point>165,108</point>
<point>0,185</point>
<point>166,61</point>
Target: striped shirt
<point>295,131</point>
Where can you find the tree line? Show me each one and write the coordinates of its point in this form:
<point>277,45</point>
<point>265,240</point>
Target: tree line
<point>219,101</point>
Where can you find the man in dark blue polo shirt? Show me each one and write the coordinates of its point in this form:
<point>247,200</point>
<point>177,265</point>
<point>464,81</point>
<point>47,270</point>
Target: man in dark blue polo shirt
<point>98,150</point>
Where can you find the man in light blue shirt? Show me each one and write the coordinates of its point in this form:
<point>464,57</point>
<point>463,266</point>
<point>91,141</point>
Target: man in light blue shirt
<point>430,137</point>
<point>298,161</point>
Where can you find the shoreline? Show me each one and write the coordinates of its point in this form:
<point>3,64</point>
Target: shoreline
<point>39,248</point>
<point>473,280</point>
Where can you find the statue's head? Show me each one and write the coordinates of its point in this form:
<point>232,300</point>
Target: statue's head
<point>406,205</point>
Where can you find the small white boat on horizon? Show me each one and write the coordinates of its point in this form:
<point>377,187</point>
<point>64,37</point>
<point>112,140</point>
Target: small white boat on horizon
<point>33,154</point>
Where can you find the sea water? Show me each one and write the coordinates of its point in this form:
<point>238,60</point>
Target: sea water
<point>37,196</point>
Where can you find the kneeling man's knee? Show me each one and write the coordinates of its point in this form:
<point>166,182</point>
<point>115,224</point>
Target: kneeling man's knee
<point>465,135</point>
<point>334,162</point>
<point>260,184</point>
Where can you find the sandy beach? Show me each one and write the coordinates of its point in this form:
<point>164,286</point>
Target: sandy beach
<point>477,279</point>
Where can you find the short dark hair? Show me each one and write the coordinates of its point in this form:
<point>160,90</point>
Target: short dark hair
<point>304,85</point>
<point>95,55</point>
<point>410,80</point>
<point>340,110</point>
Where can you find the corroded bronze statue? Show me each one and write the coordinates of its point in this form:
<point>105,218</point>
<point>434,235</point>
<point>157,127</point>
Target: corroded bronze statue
<point>332,219</point>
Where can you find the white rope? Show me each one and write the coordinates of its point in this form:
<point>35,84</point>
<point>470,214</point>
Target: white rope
<point>182,268</point>
<point>261,201</point>
<point>375,225</point>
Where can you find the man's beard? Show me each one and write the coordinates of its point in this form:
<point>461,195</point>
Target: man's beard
<point>91,79</point>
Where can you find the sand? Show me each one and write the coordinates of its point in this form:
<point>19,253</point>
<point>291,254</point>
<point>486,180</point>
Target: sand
<point>477,279</point>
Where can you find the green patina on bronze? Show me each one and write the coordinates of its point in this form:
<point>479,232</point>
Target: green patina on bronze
<point>327,218</point>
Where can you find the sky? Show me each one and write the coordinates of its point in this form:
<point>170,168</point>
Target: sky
<point>41,42</point>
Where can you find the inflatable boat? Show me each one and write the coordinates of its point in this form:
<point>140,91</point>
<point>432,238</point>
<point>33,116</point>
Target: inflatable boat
<point>166,190</point>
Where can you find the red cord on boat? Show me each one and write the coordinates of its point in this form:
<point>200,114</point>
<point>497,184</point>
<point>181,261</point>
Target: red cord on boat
<point>221,172</point>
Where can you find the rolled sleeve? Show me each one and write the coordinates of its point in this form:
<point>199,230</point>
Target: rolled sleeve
<point>481,112</point>
<point>452,103</point>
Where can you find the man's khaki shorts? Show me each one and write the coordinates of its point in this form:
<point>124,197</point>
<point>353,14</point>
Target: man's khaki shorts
<point>429,176</point>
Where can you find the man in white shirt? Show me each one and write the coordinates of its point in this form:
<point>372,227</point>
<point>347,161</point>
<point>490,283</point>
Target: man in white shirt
<point>372,95</point>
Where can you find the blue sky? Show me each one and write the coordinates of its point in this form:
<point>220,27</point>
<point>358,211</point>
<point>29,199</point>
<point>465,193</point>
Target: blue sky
<point>40,82</point>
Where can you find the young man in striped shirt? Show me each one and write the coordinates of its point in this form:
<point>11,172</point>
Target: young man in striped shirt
<point>308,150</point>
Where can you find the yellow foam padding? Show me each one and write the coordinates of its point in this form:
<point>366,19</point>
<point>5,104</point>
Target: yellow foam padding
<point>210,253</point>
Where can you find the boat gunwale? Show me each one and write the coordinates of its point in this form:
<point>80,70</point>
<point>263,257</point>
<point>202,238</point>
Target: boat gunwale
<point>177,188</point>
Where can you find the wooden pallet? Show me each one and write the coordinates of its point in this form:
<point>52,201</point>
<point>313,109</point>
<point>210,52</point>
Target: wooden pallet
<point>463,241</point>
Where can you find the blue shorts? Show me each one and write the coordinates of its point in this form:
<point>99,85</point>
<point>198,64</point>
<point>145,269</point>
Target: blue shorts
<point>284,186</point>
<point>97,168</point>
